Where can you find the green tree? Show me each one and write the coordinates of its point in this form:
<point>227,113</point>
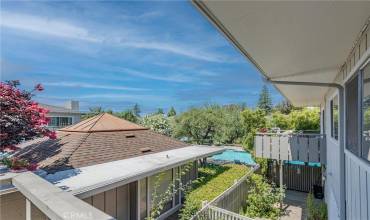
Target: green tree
<point>280,120</point>
<point>159,111</point>
<point>284,107</point>
<point>198,125</point>
<point>264,101</point>
<point>171,112</point>
<point>306,119</point>
<point>230,129</point>
<point>158,123</point>
<point>93,111</point>
<point>128,115</point>
<point>136,110</point>
<point>252,121</point>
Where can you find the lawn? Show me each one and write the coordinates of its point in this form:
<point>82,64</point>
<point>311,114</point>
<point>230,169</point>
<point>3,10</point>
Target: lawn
<point>212,181</point>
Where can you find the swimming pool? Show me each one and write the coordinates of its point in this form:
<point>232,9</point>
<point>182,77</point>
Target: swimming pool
<point>235,156</point>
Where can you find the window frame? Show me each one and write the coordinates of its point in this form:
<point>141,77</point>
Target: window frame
<point>59,119</point>
<point>361,73</point>
<point>360,119</point>
<point>332,130</point>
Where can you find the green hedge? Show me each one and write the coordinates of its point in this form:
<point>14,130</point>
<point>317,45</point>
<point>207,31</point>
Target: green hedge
<point>213,180</point>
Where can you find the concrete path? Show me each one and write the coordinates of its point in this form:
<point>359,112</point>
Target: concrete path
<point>295,206</point>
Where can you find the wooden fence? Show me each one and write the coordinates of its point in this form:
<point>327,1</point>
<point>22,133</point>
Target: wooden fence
<point>296,177</point>
<point>302,147</point>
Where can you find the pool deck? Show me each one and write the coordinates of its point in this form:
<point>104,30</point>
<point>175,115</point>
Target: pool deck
<point>236,148</point>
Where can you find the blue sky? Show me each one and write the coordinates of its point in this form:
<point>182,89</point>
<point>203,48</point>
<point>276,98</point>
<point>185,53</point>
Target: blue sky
<point>114,54</point>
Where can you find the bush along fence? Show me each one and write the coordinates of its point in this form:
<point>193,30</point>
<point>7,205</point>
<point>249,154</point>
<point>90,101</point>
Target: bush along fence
<point>227,204</point>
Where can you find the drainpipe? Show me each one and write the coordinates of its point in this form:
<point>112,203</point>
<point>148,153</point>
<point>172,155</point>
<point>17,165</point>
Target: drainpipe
<point>342,205</point>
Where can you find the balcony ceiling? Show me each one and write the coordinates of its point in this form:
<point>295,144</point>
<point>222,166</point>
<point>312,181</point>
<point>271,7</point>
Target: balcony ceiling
<point>291,41</point>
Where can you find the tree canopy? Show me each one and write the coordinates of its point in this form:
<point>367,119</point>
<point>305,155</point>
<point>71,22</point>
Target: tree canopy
<point>265,101</point>
<point>128,115</point>
<point>158,123</point>
<point>136,110</point>
<point>21,118</point>
<point>171,112</point>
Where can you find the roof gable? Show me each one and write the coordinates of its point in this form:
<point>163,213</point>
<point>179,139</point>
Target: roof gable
<point>103,122</point>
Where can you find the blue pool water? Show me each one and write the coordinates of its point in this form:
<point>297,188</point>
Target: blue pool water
<point>235,156</point>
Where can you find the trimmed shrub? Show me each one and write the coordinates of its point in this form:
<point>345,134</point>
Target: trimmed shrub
<point>213,180</point>
<point>262,199</point>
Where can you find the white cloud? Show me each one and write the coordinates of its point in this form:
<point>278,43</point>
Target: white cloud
<point>181,78</point>
<point>131,97</point>
<point>131,38</point>
<point>44,25</point>
<point>92,86</point>
<point>109,97</point>
<point>176,48</point>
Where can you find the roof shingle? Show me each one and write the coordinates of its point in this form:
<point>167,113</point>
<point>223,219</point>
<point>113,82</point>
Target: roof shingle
<point>96,143</point>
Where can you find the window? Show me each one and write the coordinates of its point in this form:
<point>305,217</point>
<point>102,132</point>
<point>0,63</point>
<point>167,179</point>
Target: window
<point>352,115</point>
<point>334,117</point>
<point>159,185</point>
<point>366,113</point>
<point>60,121</point>
<point>358,114</point>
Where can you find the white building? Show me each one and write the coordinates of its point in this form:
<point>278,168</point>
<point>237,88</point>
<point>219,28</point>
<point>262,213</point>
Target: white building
<point>62,116</point>
<point>316,54</point>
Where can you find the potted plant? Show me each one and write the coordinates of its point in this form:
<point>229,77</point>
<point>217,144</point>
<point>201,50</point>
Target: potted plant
<point>318,191</point>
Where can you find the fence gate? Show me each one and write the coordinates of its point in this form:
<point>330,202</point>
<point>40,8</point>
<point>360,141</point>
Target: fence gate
<point>296,177</point>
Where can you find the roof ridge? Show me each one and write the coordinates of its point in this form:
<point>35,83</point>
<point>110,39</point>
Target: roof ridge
<point>101,115</point>
<point>103,122</point>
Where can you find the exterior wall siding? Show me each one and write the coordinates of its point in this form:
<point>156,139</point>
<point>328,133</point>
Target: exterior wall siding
<point>13,206</point>
<point>332,174</point>
<point>114,202</point>
<point>358,187</point>
<point>357,170</point>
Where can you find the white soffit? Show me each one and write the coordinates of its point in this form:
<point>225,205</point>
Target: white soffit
<point>291,41</point>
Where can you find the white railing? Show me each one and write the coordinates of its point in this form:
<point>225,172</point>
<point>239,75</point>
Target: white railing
<point>302,147</point>
<point>214,213</point>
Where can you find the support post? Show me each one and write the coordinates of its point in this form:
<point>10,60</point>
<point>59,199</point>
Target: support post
<point>281,181</point>
<point>28,209</point>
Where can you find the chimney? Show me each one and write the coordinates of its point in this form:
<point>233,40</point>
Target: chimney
<point>73,105</point>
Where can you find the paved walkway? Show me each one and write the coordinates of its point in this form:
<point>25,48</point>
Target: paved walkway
<point>295,205</point>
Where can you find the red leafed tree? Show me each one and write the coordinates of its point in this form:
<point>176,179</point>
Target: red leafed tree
<point>20,118</point>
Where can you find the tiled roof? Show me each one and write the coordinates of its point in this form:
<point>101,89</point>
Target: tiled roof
<point>73,149</point>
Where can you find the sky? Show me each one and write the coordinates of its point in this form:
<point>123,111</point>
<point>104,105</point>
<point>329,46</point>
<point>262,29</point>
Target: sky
<point>114,54</point>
